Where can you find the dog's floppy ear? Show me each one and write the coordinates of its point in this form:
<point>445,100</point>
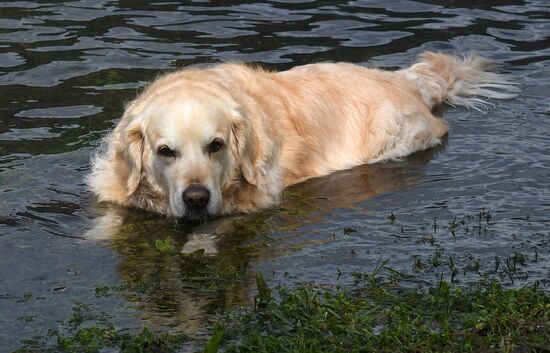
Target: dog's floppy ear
<point>244,145</point>
<point>130,153</point>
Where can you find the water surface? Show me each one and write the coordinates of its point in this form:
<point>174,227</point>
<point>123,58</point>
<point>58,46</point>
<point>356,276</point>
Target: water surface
<point>477,207</point>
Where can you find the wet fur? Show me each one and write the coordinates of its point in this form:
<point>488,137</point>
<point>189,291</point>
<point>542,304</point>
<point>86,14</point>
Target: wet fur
<point>286,127</point>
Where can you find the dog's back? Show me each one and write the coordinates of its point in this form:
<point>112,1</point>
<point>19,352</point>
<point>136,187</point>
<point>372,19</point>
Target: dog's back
<point>335,116</point>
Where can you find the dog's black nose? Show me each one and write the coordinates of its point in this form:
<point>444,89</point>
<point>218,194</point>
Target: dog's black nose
<point>196,196</point>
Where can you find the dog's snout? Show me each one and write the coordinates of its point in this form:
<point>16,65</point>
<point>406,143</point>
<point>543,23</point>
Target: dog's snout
<point>196,196</point>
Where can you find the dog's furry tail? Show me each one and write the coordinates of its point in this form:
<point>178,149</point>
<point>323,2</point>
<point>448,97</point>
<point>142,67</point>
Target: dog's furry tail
<point>465,81</point>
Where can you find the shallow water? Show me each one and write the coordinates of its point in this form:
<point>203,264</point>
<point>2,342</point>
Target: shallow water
<point>477,207</point>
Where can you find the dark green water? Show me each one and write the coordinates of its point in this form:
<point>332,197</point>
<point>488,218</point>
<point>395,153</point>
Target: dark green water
<point>67,68</point>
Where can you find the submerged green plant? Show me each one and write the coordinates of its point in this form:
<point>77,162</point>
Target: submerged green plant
<point>166,245</point>
<point>95,338</point>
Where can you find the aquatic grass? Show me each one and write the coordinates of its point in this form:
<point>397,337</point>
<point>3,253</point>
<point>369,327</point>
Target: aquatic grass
<point>375,314</point>
<point>87,331</point>
<point>380,317</point>
<point>94,339</point>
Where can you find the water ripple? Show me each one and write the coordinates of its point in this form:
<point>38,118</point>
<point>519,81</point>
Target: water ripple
<point>67,68</point>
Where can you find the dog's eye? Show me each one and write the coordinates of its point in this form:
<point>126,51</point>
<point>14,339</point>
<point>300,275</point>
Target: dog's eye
<point>165,151</point>
<point>215,146</point>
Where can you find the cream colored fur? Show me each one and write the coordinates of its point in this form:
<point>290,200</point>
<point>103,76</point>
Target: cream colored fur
<point>278,128</point>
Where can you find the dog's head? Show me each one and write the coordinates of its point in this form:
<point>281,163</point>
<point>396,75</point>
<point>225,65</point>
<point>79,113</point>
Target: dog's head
<point>186,144</point>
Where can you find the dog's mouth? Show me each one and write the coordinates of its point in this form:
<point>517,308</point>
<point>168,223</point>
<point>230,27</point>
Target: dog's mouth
<point>193,217</point>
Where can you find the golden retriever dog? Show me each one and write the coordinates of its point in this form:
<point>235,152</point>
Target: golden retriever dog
<point>229,138</point>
